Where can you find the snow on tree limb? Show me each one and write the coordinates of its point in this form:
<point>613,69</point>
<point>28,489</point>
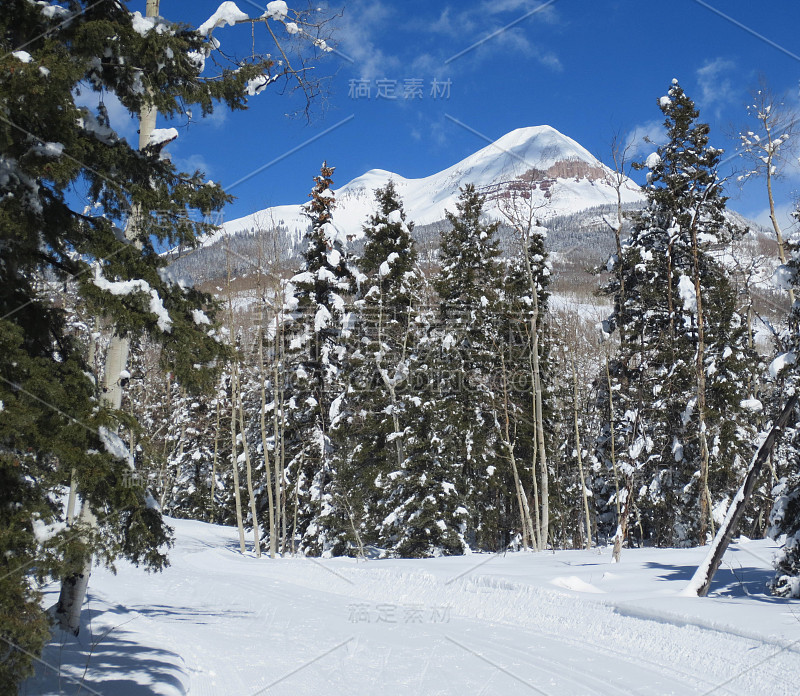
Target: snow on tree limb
<point>226,14</point>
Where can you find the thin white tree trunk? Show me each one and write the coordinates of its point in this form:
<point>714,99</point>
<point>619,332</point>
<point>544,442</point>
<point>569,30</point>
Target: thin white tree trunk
<point>237,494</point>
<point>619,534</point>
<point>545,477</point>
<point>584,492</point>
<point>117,356</point>
<point>768,168</point>
<point>73,587</point>
<point>277,421</point>
<point>214,464</point>
<point>537,520</point>
<point>700,372</point>
<point>273,527</point>
<point>249,468</point>
<point>528,533</point>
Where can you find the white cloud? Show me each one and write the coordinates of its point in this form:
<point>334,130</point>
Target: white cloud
<point>470,26</point>
<point>645,138</point>
<point>191,163</point>
<point>356,37</point>
<point>218,117</point>
<point>521,7</point>
<point>450,24</point>
<point>120,118</point>
<point>784,214</point>
<point>715,89</point>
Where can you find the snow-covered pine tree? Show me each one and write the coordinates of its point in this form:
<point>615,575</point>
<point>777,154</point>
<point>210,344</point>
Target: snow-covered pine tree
<point>785,515</point>
<point>321,290</point>
<point>375,418</point>
<point>785,522</point>
<point>680,378</point>
<point>469,285</point>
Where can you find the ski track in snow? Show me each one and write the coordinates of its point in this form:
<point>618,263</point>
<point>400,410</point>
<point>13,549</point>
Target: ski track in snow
<point>217,622</point>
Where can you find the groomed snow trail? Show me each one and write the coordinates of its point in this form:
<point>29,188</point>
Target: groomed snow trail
<point>217,622</point>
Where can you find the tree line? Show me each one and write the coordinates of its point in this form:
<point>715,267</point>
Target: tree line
<point>383,410</point>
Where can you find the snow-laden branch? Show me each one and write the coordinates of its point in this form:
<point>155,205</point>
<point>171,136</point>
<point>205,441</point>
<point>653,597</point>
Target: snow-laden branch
<point>128,287</point>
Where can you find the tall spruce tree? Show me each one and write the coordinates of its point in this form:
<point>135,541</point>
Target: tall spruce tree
<point>681,375</point>
<point>469,285</point>
<point>321,291</point>
<point>378,413</point>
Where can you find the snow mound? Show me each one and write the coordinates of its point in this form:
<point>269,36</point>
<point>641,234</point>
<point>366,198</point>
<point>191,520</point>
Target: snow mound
<point>575,584</point>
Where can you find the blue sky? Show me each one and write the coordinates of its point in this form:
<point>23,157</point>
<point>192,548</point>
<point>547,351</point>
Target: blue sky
<point>587,68</point>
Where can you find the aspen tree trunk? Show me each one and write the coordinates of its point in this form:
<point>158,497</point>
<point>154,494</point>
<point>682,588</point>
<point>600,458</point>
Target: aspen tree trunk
<point>237,495</point>
<point>534,459</point>
<point>619,534</point>
<point>249,467</point>
<point>545,481</point>
<point>71,500</point>
<point>619,155</point>
<point>772,215</point>
<point>214,463</point>
<point>528,535</point>
<point>618,241</point>
<point>584,493</point>
<point>263,419</point>
<point>705,494</point>
<point>521,214</point>
<point>543,523</point>
<point>117,356</point>
<point>277,412</point>
<point>622,524</point>
<point>73,589</point>
<point>273,533</point>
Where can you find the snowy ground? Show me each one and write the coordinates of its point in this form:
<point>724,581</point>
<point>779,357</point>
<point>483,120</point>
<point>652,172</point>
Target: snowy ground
<point>570,622</point>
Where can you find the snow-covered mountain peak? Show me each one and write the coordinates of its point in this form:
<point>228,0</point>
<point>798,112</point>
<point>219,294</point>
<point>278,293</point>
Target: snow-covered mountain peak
<point>558,172</point>
<point>535,147</point>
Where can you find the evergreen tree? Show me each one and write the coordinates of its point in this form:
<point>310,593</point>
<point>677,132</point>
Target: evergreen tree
<point>785,520</point>
<point>321,290</point>
<point>682,372</point>
<point>52,432</point>
<point>469,285</point>
<point>785,515</point>
<point>376,417</point>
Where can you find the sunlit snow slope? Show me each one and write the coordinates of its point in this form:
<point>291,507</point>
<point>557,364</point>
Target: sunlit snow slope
<point>559,624</point>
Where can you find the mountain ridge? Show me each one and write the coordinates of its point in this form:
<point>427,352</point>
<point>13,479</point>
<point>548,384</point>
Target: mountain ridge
<point>563,176</point>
